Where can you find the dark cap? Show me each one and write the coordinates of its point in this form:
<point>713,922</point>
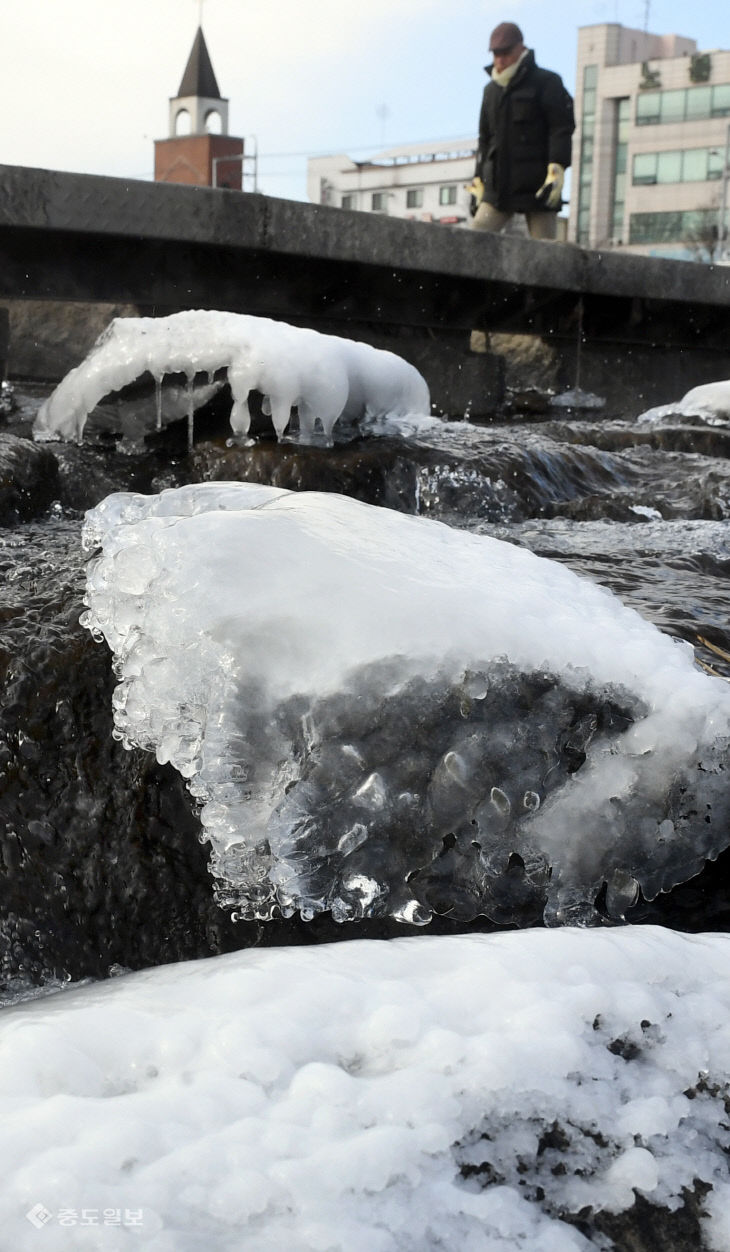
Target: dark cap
<point>504,37</point>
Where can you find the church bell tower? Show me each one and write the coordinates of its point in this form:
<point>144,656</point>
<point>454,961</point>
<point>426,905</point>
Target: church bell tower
<point>195,152</point>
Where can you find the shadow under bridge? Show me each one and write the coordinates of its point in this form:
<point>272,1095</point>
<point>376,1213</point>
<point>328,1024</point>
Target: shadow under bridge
<point>633,328</point>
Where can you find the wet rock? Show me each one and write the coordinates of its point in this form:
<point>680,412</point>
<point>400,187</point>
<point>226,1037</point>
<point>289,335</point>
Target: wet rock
<point>529,361</point>
<point>29,479</point>
<point>100,860</point>
<point>50,337</point>
<point>376,472</point>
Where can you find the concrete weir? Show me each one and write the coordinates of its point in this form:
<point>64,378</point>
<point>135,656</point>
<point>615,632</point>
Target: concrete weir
<point>636,330</point>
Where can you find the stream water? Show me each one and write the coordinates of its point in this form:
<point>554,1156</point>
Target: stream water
<point>103,867</point>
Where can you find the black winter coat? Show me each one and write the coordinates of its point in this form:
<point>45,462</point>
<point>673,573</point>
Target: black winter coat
<point>523,127</point>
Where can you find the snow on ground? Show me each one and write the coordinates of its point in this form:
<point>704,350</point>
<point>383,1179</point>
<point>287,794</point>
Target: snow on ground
<point>324,376</point>
<point>468,1092</point>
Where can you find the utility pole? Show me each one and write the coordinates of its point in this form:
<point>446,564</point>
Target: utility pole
<point>647,11</point>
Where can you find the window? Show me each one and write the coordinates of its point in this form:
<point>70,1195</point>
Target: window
<point>644,168</point>
<point>687,104</point>
<point>414,198</point>
<point>624,120</point>
<point>673,227</point>
<point>348,201</point>
<point>647,109</point>
<point>447,195</point>
<point>213,122</point>
<point>672,105</point>
<point>377,201</point>
<point>183,124</point>
<point>585,174</point>
<point>699,103</point>
<point>669,167</point>
<point>715,164</point>
<point>694,165</point>
<point>622,116</point>
<point>655,227</point>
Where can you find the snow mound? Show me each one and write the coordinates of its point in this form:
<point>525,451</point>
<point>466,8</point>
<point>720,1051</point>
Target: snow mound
<point>489,1093</point>
<point>382,716</point>
<point>325,377</point>
<point>710,401</point>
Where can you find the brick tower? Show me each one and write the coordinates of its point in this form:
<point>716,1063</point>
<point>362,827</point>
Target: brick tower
<point>199,141</point>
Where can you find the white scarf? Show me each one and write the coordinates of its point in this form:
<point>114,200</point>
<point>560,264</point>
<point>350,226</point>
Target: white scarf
<point>502,77</point>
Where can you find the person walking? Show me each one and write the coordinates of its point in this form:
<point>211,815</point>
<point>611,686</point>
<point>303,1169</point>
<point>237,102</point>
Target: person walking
<point>525,129</point>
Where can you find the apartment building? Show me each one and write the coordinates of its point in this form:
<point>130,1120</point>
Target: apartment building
<point>651,151</point>
<point>426,182</point>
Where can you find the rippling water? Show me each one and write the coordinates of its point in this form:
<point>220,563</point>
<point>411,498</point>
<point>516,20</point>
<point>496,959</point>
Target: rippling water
<point>640,508</point>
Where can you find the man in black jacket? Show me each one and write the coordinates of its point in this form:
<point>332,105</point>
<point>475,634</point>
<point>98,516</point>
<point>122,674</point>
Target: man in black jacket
<point>525,130</point>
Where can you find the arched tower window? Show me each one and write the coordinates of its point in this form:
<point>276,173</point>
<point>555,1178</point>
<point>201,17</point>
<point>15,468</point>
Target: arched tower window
<point>182,122</point>
<point>213,122</point>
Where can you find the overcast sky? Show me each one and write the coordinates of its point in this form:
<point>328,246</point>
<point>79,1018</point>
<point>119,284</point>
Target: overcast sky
<point>84,84</point>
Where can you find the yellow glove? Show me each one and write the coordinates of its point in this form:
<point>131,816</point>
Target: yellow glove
<point>476,194</point>
<point>551,190</point>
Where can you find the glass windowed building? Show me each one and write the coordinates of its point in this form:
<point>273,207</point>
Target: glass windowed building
<point>651,151</point>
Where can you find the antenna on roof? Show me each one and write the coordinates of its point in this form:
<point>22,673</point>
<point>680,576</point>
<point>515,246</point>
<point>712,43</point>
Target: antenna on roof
<point>647,10</point>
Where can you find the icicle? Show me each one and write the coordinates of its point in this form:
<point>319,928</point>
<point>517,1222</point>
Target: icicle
<point>240,418</point>
<point>280,414</point>
<point>306,421</point>
<point>579,346</point>
<point>328,424</point>
<point>191,410</point>
<point>158,400</point>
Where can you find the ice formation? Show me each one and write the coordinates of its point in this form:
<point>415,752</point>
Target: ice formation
<point>710,400</point>
<point>323,376</point>
<point>491,1093</point>
<point>380,715</point>
<point>577,399</point>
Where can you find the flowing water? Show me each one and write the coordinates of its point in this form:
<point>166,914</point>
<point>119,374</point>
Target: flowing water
<point>100,847</point>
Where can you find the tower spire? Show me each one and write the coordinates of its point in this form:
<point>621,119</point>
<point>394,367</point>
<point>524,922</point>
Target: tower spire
<point>198,146</point>
<point>199,78</point>
<point>198,108</point>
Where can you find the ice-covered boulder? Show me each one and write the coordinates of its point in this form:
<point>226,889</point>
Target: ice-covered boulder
<point>382,716</point>
<point>709,400</point>
<point>324,377</point>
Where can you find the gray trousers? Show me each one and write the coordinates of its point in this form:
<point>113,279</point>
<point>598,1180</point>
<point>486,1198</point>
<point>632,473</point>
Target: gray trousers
<point>540,224</point>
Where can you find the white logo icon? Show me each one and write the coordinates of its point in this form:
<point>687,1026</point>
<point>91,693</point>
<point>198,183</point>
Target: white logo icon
<point>38,1215</point>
